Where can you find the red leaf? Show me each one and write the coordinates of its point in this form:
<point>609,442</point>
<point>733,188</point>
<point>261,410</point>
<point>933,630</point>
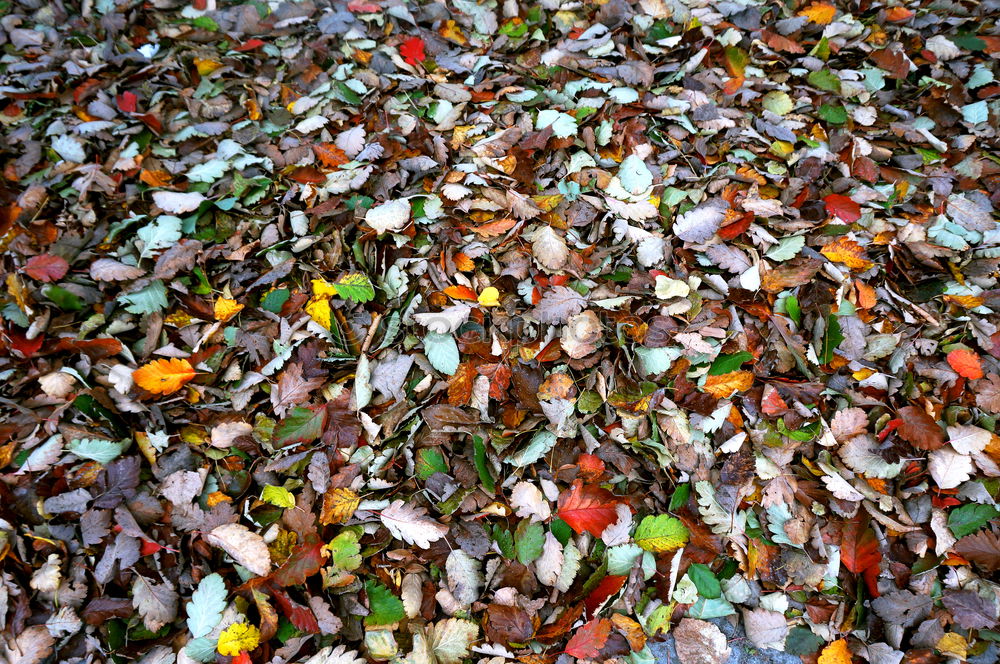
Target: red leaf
<point>586,507</point>
<point>298,615</point>
<point>127,102</point>
<point>412,50</point>
<point>859,548</point>
<point>306,559</point>
<point>242,658</point>
<point>46,267</point>
<point>362,7</point>
<point>589,639</point>
<point>608,586</point>
<point>23,345</point>
<point>843,207</point>
<point>966,363</point>
<point>250,45</point>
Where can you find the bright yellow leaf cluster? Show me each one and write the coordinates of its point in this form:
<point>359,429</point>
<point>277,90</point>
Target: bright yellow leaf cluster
<point>237,638</point>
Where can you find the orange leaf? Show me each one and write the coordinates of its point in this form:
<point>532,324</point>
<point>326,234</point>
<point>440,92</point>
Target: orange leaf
<point>898,14</point>
<point>819,12</point>
<point>836,653</point>
<point>330,155</point>
<point>460,293</point>
<point>163,376</point>
<point>847,251</point>
<point>723,387</point>
<point>966,363</point>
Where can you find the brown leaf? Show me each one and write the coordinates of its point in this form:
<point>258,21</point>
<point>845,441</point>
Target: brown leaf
<point>920,429</point>
<point>983,548</point>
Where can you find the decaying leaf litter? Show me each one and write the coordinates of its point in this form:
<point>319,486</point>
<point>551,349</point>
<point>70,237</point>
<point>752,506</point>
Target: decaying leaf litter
<point>478,331</point>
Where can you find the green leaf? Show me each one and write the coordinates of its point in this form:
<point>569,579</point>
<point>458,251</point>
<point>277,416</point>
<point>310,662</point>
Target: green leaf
<point>793,309</point>
<point>429,461</point>
<point>563,125</point>
<point>728,363</point>
<point>278,495</point>
<point>206,23</point>
<point>801,641</point>
<point>634,175</point>
<point>704,580</point>
<point>385,607</point>
<point>589,401</point>
<point>442,352</point>
<point>661,533</point>
<point>207,603</point>
<point>345,551</point>
<point>529,538</point>
<point>561,530</point>
<point>831,340</point>
<point>787,248</point>
<point>505,541</point>
<point>680,497</point>
<point>834,114</point>
<point>824,79</point>
<point>148,300</point>
<point>101,451</point>
<point>967,519</point>
<point>162,233</point>
<point>201,649</point>
<point>778,102</point>
<point>537,447</point>
<point>275,300</point>
<point>482,466</point>
<point>62,298</point>
<point>303,425</point>
<point>356,288</point>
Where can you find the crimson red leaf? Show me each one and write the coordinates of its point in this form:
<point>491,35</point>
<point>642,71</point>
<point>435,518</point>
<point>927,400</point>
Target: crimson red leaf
<point>46,267</point>
<point>589,639</point>
<point>588,508</point>
<point>842,206</point>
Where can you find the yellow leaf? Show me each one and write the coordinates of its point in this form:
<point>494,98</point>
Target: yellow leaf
<point>205,66</point>
<point>338,506</point>
<point>836,653</point>
<point>847,251</point>
<point>490,297</point>
<point>819,12</point>
<point>225,309</point>
<point>322,288</point>
<point>237,638</point>
<point>450,30</point>
<point>725,385</point>
<point>163,376</point>
<point>319,310</point>
<point>953,644</point>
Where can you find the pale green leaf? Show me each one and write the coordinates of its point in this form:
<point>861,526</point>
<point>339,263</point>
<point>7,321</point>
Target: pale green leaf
<point>207,603</point>
<point>442,352</point>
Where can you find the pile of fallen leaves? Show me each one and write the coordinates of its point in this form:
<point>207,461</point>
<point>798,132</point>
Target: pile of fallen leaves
<point>479,331</point>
